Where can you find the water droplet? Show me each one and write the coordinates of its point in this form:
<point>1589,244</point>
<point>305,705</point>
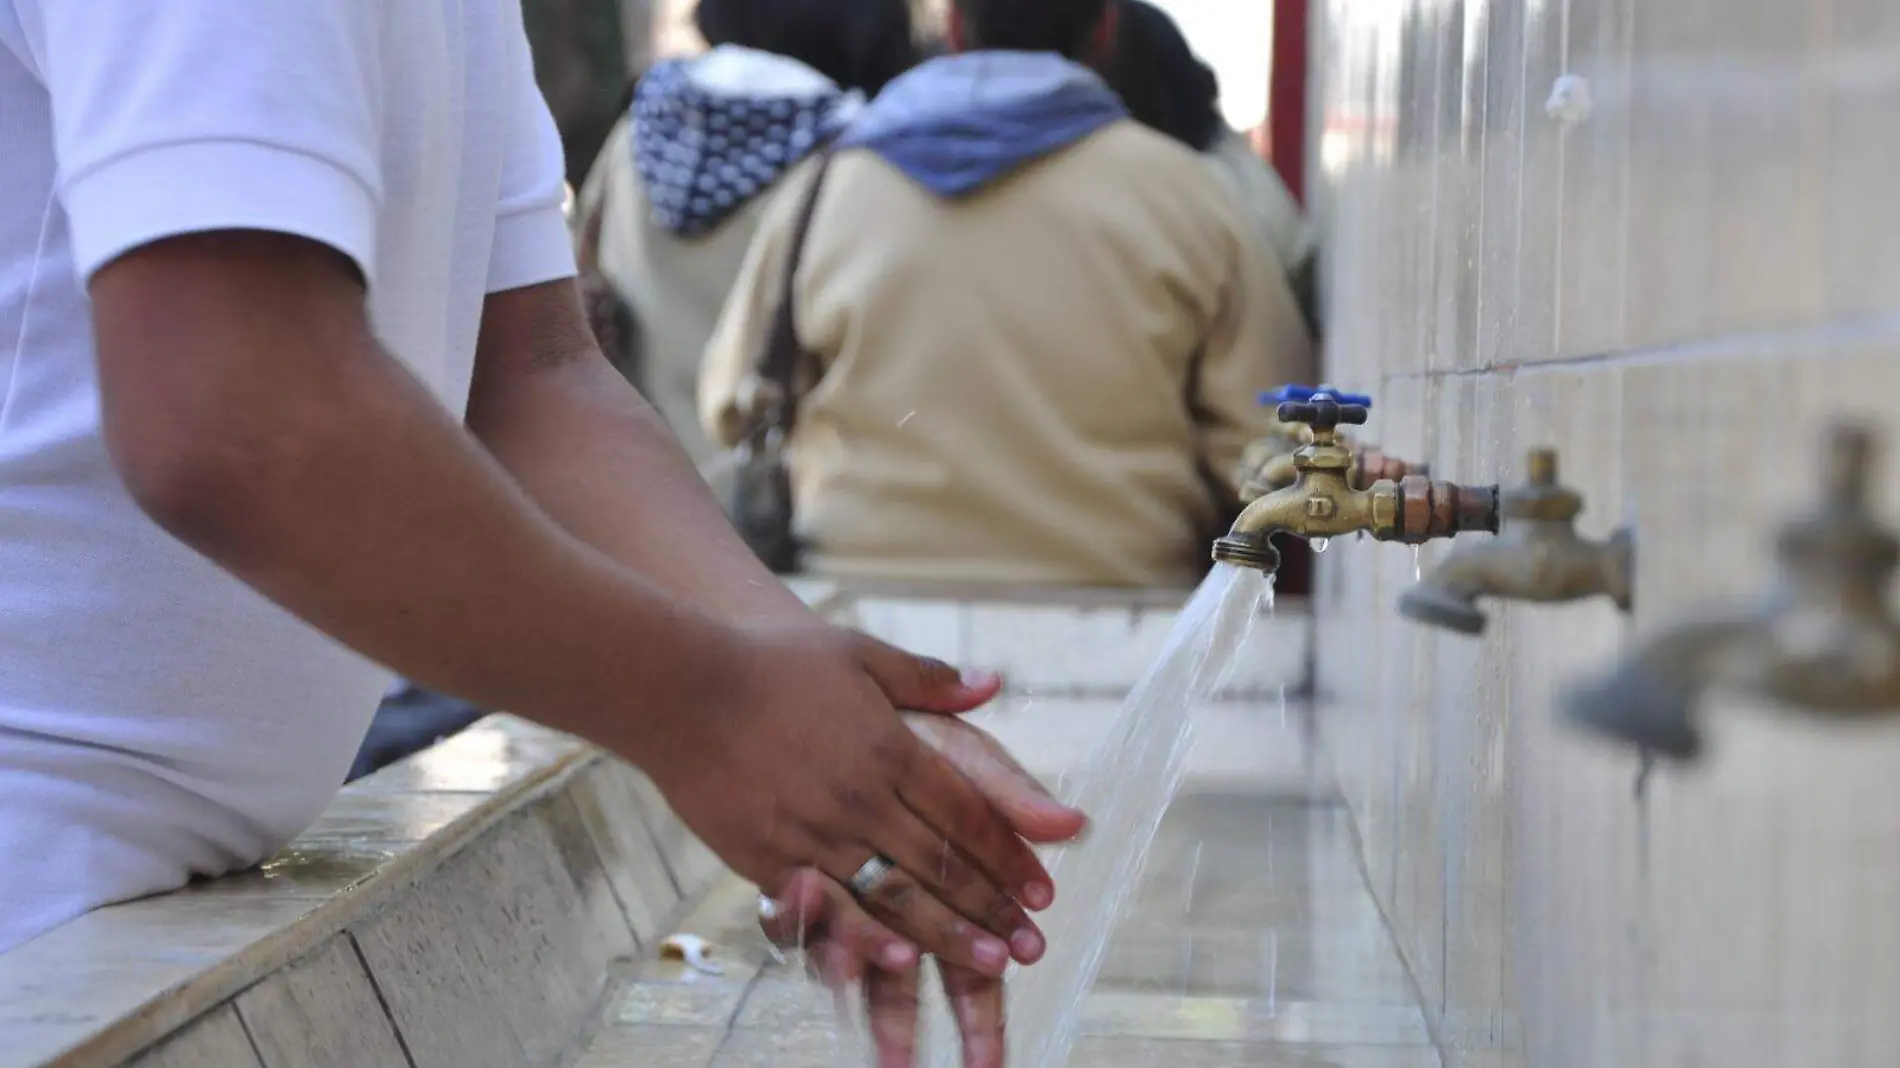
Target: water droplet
<point>908,416</point>
<point>1320,544</point>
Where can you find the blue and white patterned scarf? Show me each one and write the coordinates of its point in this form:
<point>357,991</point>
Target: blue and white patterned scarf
<point>706,142</point>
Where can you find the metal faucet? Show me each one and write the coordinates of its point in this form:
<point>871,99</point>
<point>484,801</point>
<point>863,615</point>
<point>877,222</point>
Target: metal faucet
<point>1267,462</point>
<point>1322,503</point>
<point>1537,556</point>
<point>1369,465</point>
<point>1821,639</point>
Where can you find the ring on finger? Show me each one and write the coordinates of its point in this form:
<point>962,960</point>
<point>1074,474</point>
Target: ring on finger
<point>872,874</point>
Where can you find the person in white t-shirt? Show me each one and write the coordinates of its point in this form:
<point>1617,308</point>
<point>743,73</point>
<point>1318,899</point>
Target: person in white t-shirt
<point>297,382</point>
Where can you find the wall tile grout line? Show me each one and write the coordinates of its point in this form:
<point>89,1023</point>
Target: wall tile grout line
<point>600,855</point>
<point>382,1001</point>
<point>257,1052</point>
<point>1744,346</point>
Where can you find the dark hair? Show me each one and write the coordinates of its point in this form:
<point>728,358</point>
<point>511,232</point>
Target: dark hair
<point>860,44</point>
<point>1063,26</point>
<point>1165,85</point>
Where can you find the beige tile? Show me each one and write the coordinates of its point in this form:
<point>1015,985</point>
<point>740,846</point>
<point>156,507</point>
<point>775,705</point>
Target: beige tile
<point>1150,1053</point>
<point>1505,106</point>
<point>1676,89</point>
<point>70,984</point>
<point>653,1047</point>
<point>216,1040</point>
<point>693,866</point>
<point>1592,256</point>
<point>1286,961</point>
<point>927,628</point>
<point>498,752</point>
<point>1861,237</point>
<point>1527,304</point>
<point>614,813</point>
<point>1057,649</point>
<point>388,817</point>
<point>321,1012</point>
<point>679,998</point>
<point>658,991</point>
<point>1764,67</point>
<point>502,952</point>
<point>1251,1020</point>
<point>783,999</point>
<point>804,1045</point>
<point>1247,743</point>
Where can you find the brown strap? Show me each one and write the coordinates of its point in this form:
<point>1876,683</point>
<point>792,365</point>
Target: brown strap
<point>783,355</point>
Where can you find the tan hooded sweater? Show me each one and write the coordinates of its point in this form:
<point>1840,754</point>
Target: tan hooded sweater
<point>1046,383</point>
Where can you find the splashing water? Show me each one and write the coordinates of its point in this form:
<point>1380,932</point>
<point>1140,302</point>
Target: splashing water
<point>1125,790</point>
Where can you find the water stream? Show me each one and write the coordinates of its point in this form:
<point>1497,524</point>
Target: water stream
<point>1126,789</point>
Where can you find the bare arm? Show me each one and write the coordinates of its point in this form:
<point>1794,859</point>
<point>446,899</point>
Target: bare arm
<point>587,447</point>
<point>253,414</point>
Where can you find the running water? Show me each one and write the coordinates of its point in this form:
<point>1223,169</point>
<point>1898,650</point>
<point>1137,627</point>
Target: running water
<point>1125,790</point>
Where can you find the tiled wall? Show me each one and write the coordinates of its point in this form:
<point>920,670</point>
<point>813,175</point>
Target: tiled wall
<point>1678,287</point>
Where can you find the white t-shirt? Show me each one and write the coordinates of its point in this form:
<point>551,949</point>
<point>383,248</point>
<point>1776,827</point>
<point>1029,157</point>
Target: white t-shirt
<point>157,718</point>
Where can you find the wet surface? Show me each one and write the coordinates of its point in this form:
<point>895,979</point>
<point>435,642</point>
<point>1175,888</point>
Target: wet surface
<point>1252,941</point>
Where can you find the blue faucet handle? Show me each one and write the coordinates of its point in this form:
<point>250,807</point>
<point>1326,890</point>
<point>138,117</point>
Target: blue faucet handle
<point>1300,394</point>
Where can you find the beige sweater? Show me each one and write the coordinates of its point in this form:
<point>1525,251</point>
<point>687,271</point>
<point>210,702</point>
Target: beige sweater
<point>1030,386</point>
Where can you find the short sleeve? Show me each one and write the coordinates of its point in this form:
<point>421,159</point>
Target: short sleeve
<point>193,115</point>
<point>532,241</point>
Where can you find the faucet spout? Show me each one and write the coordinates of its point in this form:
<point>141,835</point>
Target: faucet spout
<point>1822,639</point>
<point>1648,701</point>
<point>1537,557</point>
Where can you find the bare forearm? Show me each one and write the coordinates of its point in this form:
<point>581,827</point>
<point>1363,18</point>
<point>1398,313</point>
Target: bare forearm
<point>594,454</point>
<point>328,479</point>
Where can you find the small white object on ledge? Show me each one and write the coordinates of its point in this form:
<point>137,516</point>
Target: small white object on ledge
<point>1569,101</point>
<point>694,950</point>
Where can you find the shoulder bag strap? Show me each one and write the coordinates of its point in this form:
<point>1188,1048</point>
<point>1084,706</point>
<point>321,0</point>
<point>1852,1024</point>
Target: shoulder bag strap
<point>784,356</point>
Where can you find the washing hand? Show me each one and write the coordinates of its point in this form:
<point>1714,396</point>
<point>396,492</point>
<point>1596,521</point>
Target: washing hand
<point>794,757</point>
<point>845,946</point>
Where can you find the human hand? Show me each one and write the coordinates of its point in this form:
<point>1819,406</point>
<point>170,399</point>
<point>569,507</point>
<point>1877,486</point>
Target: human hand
<point>845,946</point>
<point>795,758</point>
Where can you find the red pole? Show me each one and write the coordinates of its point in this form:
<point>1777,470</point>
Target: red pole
<point>1286,150</point>
<point>1286,99</point>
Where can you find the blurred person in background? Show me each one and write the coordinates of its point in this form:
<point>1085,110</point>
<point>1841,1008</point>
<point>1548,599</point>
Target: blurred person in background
<point>1039,365</point>
<point>683,180</point>
<point>1169,89</point>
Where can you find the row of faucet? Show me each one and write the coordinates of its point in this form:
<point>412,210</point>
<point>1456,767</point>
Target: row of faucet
<point>1820,639</point>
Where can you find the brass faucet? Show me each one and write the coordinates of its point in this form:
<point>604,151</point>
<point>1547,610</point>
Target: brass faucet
<point>1267,462</point>
<point>1322,503</point>
<point>1822,638</point>
<point>1536,557</point>
<point>1369,465</point>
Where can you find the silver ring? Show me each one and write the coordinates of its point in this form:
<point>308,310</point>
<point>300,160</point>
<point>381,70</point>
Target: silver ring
<point>872,875</point>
